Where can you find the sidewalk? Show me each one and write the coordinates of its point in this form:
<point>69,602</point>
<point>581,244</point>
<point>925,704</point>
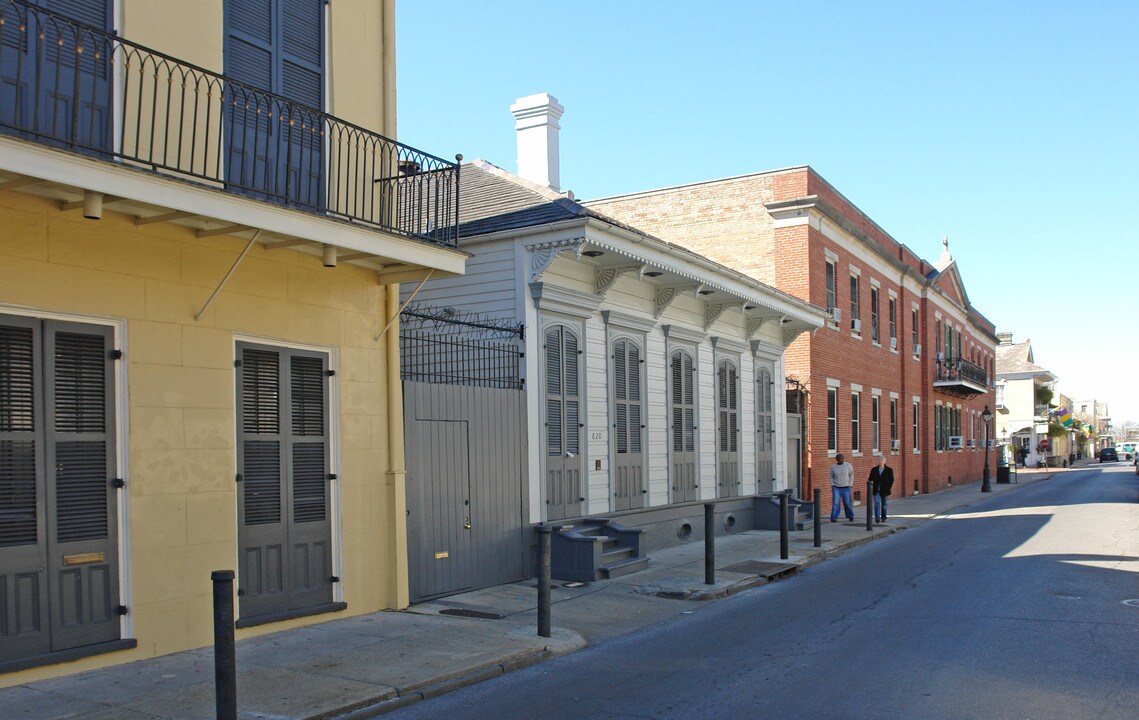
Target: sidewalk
<point>364,666</point>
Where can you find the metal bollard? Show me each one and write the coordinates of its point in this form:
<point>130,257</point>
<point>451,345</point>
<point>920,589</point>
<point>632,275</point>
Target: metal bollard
<point>784,552</point>
<point>709,544</point>
<point>818,517</point>
<point>869,505</point>
<point>225,655</point>
<point>544,580</point>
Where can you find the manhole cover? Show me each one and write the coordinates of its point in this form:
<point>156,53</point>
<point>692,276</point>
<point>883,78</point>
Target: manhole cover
<point>464,612</point>
<point>1134,602</point>
<point>758,567</point>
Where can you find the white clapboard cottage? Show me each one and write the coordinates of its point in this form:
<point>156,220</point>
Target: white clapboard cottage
<point>651,382</point>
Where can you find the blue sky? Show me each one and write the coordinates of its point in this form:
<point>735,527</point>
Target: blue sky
<point>1011,127</point>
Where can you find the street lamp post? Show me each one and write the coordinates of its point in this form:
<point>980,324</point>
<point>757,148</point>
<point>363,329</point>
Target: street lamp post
<point>986,416</point>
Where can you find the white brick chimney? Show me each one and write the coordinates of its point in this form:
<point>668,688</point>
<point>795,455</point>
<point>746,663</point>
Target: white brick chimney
<point>536,122</point>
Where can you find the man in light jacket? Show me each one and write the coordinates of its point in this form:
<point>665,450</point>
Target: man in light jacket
<point>842,478</point>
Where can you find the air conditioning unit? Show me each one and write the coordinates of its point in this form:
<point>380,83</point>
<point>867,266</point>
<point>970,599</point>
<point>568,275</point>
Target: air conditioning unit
<point>893,343</point>
<point>895,444</point>
<point>856,325</point>
<point>956,442</point>
<point>836,314</point>
<point>940,356</point>
<point>969,442</point>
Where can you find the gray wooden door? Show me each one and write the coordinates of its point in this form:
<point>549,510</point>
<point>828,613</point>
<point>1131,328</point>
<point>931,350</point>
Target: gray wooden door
<point>764,428</point>
<point>284,513</point>
<point>443,506</point>
<point>466,487</point>
<point>727,430</point>
<point>59,564</point>
<point>682,370</point>
<point>564,492</point>
<point>628,427</point>
<point>795,454</point>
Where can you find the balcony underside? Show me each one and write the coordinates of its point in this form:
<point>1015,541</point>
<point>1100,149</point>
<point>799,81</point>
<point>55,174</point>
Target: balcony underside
<point>151,198</point>
<point>960,388</point>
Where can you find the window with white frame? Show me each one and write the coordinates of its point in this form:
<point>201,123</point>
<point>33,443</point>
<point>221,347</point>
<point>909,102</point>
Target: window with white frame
<point>855,321</point>
<point>832,419</point>
<point>893,320</point>
<point>855,444</point>
<point>875,402</point>
<point>831,282</point>
<point>914,340</point>
<point>874,336</point>
<point>893,422</point>
<point>916,420</point>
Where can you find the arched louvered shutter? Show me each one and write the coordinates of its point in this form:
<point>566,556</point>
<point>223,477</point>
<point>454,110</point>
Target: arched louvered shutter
<point>727,411</point>
<point>628,465</point>
<point>682,377</point>
<point>764,427</point>
<point>563,432</point>
<point>283,461</point>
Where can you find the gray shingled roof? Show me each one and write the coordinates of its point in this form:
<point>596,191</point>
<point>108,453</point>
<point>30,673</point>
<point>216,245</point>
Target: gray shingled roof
<point>1016,358</point>
<point>491,200</point>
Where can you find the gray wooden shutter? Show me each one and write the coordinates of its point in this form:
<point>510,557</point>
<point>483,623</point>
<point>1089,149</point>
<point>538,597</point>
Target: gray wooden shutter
<point>18,439</point>
<point>276,46</point>
<point>283,459</point>
<point>79,459</point>
<point>563,432</point>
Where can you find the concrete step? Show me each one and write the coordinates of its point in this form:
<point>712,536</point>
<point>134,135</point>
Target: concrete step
<point>624,567</point>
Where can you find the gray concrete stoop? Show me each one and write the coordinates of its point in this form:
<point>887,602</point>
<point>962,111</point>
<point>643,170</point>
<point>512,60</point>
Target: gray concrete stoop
<point>364,666</point>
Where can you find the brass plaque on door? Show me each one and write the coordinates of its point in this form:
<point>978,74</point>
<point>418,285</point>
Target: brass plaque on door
<point>441,555</point>
<point>83,558</point>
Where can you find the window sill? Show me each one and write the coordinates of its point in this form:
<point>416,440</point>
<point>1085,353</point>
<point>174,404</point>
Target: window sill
<point>291,614</point>
<point>63,656</point>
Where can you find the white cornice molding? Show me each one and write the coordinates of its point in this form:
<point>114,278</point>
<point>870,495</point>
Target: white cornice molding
<point>683,334</point>
<point>728,345</point>
<point>615,318</point>
<point>559,299</point>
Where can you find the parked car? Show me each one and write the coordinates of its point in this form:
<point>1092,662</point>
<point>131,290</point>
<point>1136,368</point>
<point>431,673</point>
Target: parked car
<point>1108,454</point>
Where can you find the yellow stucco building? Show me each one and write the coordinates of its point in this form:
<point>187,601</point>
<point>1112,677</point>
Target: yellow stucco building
<point>202,232</point>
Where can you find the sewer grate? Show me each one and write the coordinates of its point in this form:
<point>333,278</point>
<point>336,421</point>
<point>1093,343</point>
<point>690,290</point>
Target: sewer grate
<point>465,612</point>
<point>758,567</point>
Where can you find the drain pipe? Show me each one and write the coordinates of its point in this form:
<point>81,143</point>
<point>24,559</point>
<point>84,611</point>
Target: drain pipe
<point>544,580</point>
<point>709,544</point>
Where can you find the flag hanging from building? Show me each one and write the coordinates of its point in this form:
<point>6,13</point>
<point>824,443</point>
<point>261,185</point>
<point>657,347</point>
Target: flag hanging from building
<point>1064,417</point>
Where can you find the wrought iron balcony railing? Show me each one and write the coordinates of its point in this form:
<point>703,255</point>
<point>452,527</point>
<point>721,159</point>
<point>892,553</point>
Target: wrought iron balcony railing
<point>77,87</point>
<point>956,370</point>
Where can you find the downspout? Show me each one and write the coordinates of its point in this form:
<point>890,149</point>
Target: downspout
<point>904,399</point>
<point>388,99</point>
<point>397,468</point>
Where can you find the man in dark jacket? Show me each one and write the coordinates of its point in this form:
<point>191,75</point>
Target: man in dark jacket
<point>882,482</point>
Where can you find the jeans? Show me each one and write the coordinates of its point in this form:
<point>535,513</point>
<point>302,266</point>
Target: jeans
<point>880,508</point>
<point>843,494</point>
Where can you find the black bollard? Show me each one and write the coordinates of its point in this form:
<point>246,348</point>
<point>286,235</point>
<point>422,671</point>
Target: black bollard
<point>818,517</point>
<point>709,544</point>
<point>784,553</point>
<point>869,505</point>
<point>225,655</point>
<point>544,580</point>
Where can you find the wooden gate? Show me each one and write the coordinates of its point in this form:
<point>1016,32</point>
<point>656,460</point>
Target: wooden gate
<point>466,487</point>
<point>465,438</point>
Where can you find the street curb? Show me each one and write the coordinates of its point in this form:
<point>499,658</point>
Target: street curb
<point>409,696</point>
<point>413,694</point>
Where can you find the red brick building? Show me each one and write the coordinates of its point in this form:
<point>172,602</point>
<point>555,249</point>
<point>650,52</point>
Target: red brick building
<point>904,367</point>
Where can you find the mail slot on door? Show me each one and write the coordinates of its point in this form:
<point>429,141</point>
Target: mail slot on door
<point>83,558</point>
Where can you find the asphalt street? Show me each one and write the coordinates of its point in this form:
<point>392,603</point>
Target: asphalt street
<point>1016,607</point>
